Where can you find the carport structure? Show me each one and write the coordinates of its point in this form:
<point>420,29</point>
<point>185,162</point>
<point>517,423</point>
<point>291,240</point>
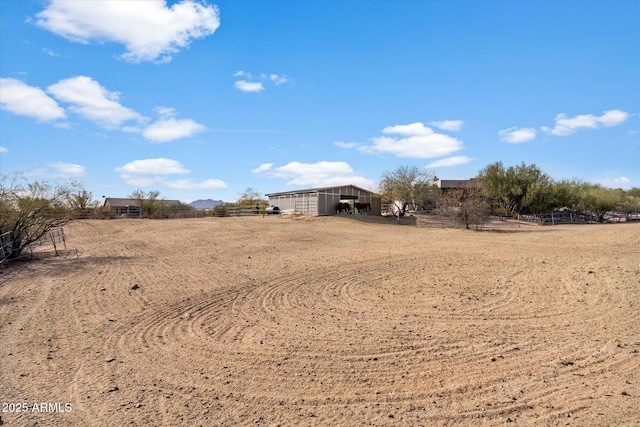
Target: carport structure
<point>324,201</point>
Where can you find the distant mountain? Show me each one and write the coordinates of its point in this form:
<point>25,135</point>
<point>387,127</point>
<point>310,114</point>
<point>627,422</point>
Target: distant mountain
<point>205,204</point>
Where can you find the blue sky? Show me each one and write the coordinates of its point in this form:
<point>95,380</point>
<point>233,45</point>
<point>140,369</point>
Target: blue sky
<point>205,99</point>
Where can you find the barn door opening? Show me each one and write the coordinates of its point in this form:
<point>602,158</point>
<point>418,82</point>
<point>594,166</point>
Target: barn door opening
<point>350,200</point>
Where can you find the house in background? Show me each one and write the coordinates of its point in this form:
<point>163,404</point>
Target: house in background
<point>455,184</point>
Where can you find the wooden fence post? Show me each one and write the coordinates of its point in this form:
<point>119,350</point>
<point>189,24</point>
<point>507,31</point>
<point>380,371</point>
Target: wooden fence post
<point>4,255</point>
<point>53,240</point>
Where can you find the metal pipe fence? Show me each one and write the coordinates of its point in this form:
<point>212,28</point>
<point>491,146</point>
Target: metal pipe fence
<point>53,239</point>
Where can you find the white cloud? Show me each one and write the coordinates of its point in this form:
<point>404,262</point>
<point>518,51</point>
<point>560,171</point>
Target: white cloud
<point>90,100</point>
<point>165,112</point>
<point>148,172</point>
<point>412,129</point>
<point>185,184</point>
<point>416,141</point>
<point>277,79</point>
<point>149,29</point>
<point>24,100</point>
<point>93,102</point>
<point>319,174</point>
<point>516,135</point>
<point>141,180</point>
<point>453,125</point>
<point>342,144</point>
<point>50,52</point>
<point>3,149</point>
<point>622,180</point>
<point>246,86</point>
<point>566,126</point>
<point>252,83</point>
<point>613,117</point>
<point>159,166</point>
<point>262,168</point>
<point>449,162</point>
<point>619,182</point>
<point>171,129</point>
<point>67,170</point>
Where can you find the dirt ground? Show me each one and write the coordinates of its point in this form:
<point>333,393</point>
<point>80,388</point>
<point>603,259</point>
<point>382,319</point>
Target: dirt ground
<point>323,321</point>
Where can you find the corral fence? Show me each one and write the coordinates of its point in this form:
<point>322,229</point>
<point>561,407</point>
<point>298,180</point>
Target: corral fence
<point>502,222</point>
<point>555,218</point>
<point>439,220</point>
<point>226,211</point>
<point>53,239</point>
<point>161,213</point>
<point>572,217</point>
<point>173,213</point>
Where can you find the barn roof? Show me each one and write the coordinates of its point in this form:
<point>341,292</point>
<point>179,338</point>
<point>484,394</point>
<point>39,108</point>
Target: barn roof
<point>119,202</point>
<point>320,190</point>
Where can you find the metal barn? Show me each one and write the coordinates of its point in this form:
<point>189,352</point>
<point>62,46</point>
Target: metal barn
<point>324,201</point>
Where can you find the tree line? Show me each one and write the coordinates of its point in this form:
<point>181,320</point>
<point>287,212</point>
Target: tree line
<point>511,191</point>
<point>525,189</point>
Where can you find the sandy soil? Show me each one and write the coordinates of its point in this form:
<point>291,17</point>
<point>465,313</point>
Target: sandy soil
<point>323,321</point>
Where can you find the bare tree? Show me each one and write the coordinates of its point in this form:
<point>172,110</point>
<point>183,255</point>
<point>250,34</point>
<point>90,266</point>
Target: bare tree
<point>406,185</point>
<point>251,197</point>
<point>467,205</point>
<point>28,210</point>
<point>82,199</point>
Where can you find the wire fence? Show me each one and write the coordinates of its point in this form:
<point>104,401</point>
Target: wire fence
<point>577,217</point>
<point>502,222</point>
<point>53,240</point>
<point>170,213</point>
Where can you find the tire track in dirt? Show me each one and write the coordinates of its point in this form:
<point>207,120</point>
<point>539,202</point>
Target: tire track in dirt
<point>247,316</point>
<point>437,334</point>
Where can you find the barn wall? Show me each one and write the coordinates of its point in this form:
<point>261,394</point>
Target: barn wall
<point>325,201</point>
<point>305,203</point>
<point>309,204</point>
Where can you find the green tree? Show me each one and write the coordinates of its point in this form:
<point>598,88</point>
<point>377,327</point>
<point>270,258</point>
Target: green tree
<point>178,210</point>
<point>149,203</point>
<point>566,193</point>
<point>538,198</point>
<point>599,201</point>
<point>28,210</point>
<point>508,187</point>
<point>405,185</point>
<point>630,203</point>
